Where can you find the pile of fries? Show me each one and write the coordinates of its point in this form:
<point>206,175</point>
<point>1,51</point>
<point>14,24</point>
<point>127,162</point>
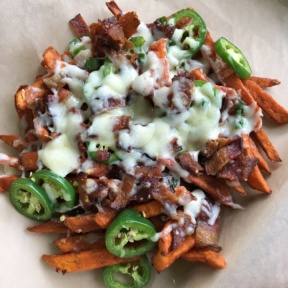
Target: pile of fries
<point>228,161</point>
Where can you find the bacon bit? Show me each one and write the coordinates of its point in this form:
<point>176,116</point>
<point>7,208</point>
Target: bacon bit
<point>63,94</point>
<point>103,155</point>
<point>222,157</point>
<point>182,88</point>
<point>207,235</point>
<point>159,47</point>
<point>238,169</point>
<point>129,22</point>
<point>122,198</point>
<point>164,195</point>
<point>113,7</point>
<point>97,170</point>
<point>184,195</point>
<point>79,26</point>
<point>189,163</point>
<point>6,181</point>
<point>107,33</point>
<point>121,122</point>
<point>161,31</point>
<point>175,147</point>
<point>155,171</point>
<point>178,238</point>
<point>28,161</point>
<point>42,133</point>
<point>210,148</point>
<point>16,142</point>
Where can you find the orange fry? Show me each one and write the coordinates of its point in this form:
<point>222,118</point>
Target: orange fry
<point>57,227</point>
<point>273,109</point>
<point>162,262</point>
<point>10,161</point>
<point>267,146</point>
<point>28,160</point>
<point>16,142</point>
<point>104,219</point>
<point>82,223</point>
<point>263,165</point>
<point>264,82</point>
<point>165,242</point>
<point>84,260</point>
<point>255,179</point>
<point>6,181</point>
<point>78,243</point>
<point>149,209</point>
<point>210,257</point>
<point>50,59</point>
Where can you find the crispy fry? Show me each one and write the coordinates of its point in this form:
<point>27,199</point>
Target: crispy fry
<point>84,260</point>
<point>104,219</point>
<point>273,109</point>
<point>255,179</point>
<point>16,142</point>
<point>266,145</point>
<point>165,241</point>
<point>57,227</point>
<point>82,223</point>
<point>210,257</point>
<point>198,74</point>
<point>10,161</point>
<point>78,243</point>
<point>264,82</point>
<point>50,58</point>
<point>263,165</point>
<point>149,209</point>
<point>162,262</point>
<point>6,181</point>
<point>237,187</point>
<point>123,195</point>
<point>28,160</point>
<point>214,188</point>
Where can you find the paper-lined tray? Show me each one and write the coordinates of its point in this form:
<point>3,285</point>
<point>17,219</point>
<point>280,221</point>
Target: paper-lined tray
<point>254,239</point>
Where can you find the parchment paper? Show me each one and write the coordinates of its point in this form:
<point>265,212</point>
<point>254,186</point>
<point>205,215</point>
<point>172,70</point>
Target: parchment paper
<point>254,240</point>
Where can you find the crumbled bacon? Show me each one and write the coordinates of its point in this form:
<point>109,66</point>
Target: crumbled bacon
<point>189,163</point>
<point>121,122</point>
<point>79,26</point>
<point>164,195</point>
<point>222,156</point>
<point>181,96</point>
<point>238,169</point>
<point>159,30</point>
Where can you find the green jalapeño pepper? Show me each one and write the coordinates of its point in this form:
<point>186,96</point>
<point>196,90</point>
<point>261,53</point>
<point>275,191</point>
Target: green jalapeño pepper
<point>140,271</point>
<point>233,57</point>
<point>129,235</point>
<point>31,200</point>
<point>59,190</point>
<point>195,31</point>
<point>100,153</point>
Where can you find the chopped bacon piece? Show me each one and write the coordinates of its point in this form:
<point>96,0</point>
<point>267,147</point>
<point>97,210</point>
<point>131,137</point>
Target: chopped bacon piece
<point>113,7</point>
<point>221,157</point>
<point>79,26</point>
<point>181,98</point>
<point>164,195</point>
<point>210,148</point>
<point>121,122</point>
<point>28,160</point>
<point>189,163</point>
<point>207,235</point>
<point>155,171</point>
<point>129,22</point>
<point>161,31</point>
<point>238,169</point>
<point>123,195</point>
